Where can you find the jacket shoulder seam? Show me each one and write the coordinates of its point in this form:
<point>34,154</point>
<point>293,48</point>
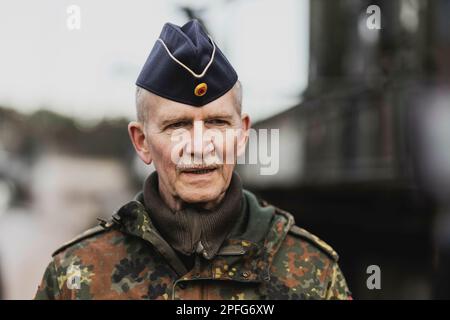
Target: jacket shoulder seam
<point>316,241</point>
<point>87,234</point>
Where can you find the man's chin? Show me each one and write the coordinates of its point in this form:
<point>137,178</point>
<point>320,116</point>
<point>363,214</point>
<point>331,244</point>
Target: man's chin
<point>199,196</point>
<point>203,188</point>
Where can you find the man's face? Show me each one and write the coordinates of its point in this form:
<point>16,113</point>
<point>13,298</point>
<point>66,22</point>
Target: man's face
<point>194,148</point>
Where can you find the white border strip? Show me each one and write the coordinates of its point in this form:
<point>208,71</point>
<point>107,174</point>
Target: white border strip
<point>186,67</point>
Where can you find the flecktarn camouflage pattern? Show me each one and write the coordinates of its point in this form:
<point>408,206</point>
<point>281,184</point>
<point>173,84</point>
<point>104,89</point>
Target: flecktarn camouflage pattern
<point>265,257</point>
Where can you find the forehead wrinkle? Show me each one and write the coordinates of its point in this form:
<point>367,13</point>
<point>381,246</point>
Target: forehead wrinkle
<point>161,108</point>
<point>170,112</point>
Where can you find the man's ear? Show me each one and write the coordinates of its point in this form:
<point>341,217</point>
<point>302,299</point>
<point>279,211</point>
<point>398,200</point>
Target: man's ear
<point>243,137</point>
<point>137,136</point>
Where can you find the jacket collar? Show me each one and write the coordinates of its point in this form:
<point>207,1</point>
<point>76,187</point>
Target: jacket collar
<point>246,255</point>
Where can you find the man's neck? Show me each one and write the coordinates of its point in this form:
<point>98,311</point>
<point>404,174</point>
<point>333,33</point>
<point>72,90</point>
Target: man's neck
<point>183,224</point>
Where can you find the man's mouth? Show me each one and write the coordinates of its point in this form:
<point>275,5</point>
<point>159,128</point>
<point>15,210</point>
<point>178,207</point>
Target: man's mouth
<point>201,170</point>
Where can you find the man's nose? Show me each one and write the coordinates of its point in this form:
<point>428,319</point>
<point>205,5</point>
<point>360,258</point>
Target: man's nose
<point>200,144</point>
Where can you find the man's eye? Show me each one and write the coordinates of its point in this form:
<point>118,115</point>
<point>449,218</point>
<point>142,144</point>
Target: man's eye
<point>177,125</point>
<point>217,122</point>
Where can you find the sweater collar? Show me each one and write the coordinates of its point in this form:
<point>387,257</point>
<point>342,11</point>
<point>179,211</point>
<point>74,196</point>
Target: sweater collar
<point>194,229</point>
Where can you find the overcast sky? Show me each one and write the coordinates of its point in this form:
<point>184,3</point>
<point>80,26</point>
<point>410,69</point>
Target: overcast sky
<point>90,73</point>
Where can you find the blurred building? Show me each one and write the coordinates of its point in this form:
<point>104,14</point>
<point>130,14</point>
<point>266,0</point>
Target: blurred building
<point>59,177</point>
<point>359,156</point>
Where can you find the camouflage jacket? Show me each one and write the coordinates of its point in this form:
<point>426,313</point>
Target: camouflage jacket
<point>265,257</point>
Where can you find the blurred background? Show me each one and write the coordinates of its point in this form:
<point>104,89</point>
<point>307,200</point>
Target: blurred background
<point>363,114</point>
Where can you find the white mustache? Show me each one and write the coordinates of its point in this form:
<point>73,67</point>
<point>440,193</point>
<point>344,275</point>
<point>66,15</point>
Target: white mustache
<point>192,161</point>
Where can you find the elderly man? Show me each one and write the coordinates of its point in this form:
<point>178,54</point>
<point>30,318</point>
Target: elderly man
<point>193,232</point>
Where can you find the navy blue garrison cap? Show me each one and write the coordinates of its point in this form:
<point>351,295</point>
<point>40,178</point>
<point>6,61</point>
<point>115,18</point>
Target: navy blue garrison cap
<point>186,66</point>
